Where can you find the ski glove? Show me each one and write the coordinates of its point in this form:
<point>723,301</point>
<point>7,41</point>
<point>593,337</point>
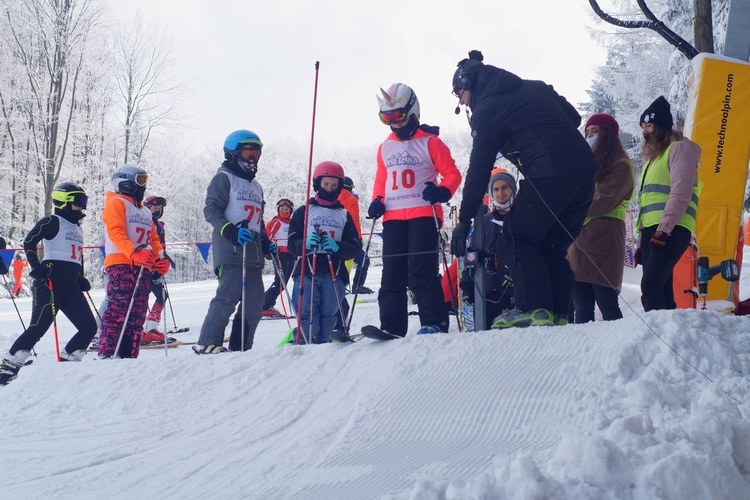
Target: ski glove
<point>328,243</point>
<point>435,194</point>
<point>143,256</point>
<point>273,250</point>
<point>41,272</point>
<point>161,266</point>
<point>658,240</point>
<point>377,209</point>
<point>313,240</point>
<point>458,239</point>
<point>245,236</point>
<point>84,284</point>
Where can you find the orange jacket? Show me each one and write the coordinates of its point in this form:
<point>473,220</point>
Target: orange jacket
<point>351,204</point>
<point>116,227</point>
<point>445,165</point>
<point>18,266</point>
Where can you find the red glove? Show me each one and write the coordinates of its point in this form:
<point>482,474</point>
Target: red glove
<point>658,240</point>
<point>143,257</point>
<point>161,266</point>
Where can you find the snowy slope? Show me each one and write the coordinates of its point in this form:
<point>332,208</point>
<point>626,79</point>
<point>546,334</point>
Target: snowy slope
<point>603,410</point>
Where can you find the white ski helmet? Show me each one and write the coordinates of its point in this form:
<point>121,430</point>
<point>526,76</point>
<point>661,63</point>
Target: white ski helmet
<point>130,180</point>
<point>397,104</point>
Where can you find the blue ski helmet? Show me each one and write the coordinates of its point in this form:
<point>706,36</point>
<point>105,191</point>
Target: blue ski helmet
<point>236,139</point>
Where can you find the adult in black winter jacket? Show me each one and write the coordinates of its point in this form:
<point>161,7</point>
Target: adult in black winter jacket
<point>534,127</point>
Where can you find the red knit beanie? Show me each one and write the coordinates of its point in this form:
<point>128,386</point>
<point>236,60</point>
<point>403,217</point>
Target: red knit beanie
<point>603,120</point>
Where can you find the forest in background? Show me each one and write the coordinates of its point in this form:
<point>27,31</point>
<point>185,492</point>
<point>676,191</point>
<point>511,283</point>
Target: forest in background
<point>81,95</point>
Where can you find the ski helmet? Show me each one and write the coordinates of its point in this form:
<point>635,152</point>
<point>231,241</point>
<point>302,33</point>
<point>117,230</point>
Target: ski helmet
<point>328,169</point>
<point>130,180</point>
<point>348,183</point>
<point>67,194</point>
<point>285,202</point>
<point>155,201</point>
<point>236,139</point>
<point>465,77</point>
<point>398,104</point>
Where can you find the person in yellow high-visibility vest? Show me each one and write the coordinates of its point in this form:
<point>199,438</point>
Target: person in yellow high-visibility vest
<point>668,202</point>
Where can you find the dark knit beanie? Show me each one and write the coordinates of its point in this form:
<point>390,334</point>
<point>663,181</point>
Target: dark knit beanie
<point>502,176</point>
<point>659,114</point>
<point>603,120</point>
<point>348,183</point>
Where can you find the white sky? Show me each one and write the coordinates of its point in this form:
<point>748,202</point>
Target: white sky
<point>251,63</point>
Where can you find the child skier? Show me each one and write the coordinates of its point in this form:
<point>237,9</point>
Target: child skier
<point>331,240</point>
<point>408,196</point>
<point>18,266</point>
<point>498,289</point>
<point>278,232</point>
<point>133,249</point>
<point>234,207</point>
<point>151,333</point>
<point>59,284</point>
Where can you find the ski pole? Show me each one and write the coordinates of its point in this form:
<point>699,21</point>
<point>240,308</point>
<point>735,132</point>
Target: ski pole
<point>7,285</point>
<point>348,322</point>
<point>307,209</point>
<point>94,306</point>
<point>164,316</point>
<point>54,318</point>
<point>171,310</point>
<point>309,338</point>
<point>277,267</point>
<point>336,289</point>
<point>445,269</point>
<point>244,289</point>
<point>127,314</point>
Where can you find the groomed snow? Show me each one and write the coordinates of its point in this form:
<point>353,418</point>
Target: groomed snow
<point>605,410</point>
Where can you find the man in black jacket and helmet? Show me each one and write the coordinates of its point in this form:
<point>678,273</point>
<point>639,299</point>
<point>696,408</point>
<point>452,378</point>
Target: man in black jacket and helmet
<point>534,127</point>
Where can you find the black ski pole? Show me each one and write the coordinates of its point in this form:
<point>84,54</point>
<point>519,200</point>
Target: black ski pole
<point>445,268</point>
<point>171,310</point>
<point>348,322</point>
<point>7,285</point>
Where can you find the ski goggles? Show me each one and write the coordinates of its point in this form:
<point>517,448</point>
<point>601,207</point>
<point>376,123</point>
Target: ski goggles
<point>285,203</point>
<point>77,198</point>
<point>141,179</point>
<point>393,116</point>
<point>249,153</point>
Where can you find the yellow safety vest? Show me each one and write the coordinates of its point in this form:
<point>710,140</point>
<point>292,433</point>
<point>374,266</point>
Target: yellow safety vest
<point>655,188</point>
<point>620,210</point>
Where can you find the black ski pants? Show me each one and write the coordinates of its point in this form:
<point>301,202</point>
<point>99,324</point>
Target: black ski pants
<point>545,218</point>
<point>69,299</point>
<point>410,258</point>
<point>658,267</point>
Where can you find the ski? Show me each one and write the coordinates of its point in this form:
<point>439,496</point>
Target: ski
<point>375,333</point>
<point>266,318</point>
<point>179,330</point>
<point>342,337</point>
<point>160,345</point>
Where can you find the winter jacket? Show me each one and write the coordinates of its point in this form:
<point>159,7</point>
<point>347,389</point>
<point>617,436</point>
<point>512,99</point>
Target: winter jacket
<point>351,204</point>
<point>121,215</point>
<point>57,233</point>
<point>349,242</point>
<point>602,237</point>
<point>405,166</point>
<point>529,124</point>
<point>18,266</point>
<point>497,283</point>
<point>278,231</point>
<point>226,188</point>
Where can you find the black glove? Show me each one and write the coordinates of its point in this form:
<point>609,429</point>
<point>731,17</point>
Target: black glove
<point>637,257</point>
<point>435,194</point>
<point>84,284</point>
<point>377,209</point>
<point>41,272</point>
<point>458,239</point>
<point>230,232</point>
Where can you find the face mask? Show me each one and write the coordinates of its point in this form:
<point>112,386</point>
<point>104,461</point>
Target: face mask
<point>592,140</point>
<point>404,133</point>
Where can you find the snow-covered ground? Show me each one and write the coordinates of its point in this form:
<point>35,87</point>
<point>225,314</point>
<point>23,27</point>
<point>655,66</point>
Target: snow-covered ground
<point>651,406</point>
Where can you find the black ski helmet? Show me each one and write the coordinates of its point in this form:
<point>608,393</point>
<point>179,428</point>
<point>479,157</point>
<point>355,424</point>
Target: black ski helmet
<point>67,194</point>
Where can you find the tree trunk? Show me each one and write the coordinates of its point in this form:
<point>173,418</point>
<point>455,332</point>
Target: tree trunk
<point>703,26</point>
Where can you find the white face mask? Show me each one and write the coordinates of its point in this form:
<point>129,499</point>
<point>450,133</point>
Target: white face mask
<point>592,140</point>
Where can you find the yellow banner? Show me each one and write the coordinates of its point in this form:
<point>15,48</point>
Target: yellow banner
<point>719,121</point>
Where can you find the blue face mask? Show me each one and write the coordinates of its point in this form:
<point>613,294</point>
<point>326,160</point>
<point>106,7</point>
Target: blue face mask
<point>592,140</point>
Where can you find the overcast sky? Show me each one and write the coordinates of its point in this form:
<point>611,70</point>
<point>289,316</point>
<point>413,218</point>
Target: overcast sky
<point>251,63</point>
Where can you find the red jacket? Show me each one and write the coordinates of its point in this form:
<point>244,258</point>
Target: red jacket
<point>351,204</point>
